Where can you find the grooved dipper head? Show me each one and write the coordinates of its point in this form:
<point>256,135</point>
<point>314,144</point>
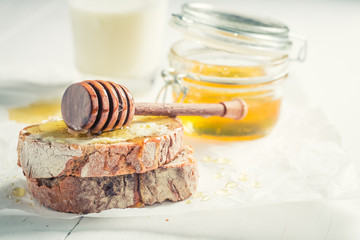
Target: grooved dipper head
<point>97,106</point>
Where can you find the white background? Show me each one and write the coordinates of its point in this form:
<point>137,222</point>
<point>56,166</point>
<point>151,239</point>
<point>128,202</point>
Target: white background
<point>31,31</point>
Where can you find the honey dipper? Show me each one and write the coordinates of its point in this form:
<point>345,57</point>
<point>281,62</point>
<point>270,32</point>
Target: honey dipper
<point>98,106</point>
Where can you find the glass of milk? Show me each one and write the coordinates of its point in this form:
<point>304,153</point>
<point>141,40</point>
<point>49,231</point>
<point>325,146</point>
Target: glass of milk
<point>119,40</point>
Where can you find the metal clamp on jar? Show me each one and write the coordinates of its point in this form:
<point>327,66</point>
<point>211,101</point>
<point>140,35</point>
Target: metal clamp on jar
<point>224,56</point>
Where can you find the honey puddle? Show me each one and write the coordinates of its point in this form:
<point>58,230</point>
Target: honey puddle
<point>36,112</point>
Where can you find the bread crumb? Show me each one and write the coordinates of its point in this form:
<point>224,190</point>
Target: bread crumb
<point>243,177</point>
<point>198,194</point>
<point>205,198</point>
<point>207,159</point>
<point>222,161</point>
<point>18,192</point>
<point>18,201</point>
<point>231,185</point>
<point>257,184</point>
<point>223,192</point>
<point>218,175</point>
<point>31,204</point>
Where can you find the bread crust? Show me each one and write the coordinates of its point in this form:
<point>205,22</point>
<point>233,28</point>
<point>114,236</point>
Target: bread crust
<point>174,181</point>
<point>46,159</point>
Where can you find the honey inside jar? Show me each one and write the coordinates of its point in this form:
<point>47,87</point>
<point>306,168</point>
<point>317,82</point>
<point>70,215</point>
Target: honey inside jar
<point>262,100</point>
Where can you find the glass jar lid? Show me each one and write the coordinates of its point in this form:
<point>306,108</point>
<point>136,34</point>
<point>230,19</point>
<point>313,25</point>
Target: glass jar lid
<point>234,32</point>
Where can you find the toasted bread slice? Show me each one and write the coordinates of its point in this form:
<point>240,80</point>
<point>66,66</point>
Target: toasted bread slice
<point>174,181</point>
<point>48,150</point>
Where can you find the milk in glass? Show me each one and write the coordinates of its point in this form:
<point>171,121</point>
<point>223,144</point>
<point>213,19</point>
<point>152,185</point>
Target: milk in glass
<point>118,40</point>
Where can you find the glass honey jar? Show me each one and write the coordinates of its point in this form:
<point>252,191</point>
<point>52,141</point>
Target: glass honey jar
<point>226,55</point>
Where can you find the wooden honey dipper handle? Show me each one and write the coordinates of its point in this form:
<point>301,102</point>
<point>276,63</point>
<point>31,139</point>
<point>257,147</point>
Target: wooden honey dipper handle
<point>235,109</point>
<point>98,106</point>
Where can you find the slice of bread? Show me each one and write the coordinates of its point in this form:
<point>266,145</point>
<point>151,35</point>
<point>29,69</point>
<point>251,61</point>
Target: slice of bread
<point>48,150</point>
<point>174,181</point>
